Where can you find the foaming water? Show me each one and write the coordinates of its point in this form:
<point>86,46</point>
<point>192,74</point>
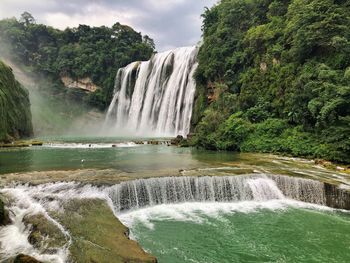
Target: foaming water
<point>14,237</point>
<point>42,199</point>
<point>249,231</point>
<point>198,212</point>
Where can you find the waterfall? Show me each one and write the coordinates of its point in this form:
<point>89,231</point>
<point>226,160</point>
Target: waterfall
<point>155,97</point>
<point>155,191</point>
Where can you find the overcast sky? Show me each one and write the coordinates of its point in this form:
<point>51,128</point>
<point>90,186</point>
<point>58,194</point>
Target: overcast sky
<point>171,23</point>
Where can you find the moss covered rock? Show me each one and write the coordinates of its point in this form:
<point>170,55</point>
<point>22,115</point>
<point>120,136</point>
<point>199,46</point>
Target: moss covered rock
<point>15,114</point>
<point>98,236</point>
<point>44,235</point>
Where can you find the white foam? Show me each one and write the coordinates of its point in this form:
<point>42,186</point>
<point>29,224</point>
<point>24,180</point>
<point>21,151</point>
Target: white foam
<point>197,212</point>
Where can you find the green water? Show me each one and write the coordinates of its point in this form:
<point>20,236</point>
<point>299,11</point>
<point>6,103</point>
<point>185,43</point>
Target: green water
<point>126,159</point>
<point>70,153</point>
<point>292,235</point>
<point>102,156</point>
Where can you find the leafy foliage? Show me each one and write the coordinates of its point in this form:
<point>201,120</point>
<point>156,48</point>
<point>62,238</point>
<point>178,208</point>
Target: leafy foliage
<point>288,64</point>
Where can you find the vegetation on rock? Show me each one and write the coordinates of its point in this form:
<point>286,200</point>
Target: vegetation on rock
<point>276,74</point>
<point>15,115</point>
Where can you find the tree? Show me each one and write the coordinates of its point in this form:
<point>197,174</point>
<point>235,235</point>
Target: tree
<point>27,18</point>
<point>149,41</point>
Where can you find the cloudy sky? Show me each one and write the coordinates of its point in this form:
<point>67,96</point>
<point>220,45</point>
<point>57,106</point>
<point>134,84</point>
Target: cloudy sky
<point>171,23</point>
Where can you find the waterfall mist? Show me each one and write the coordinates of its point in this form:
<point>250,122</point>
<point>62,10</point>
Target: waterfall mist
<point>53,113</point>
<point>155,97</point>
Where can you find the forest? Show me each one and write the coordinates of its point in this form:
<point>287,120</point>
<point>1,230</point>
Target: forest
<point>84,51</point>
<point>274,76</point>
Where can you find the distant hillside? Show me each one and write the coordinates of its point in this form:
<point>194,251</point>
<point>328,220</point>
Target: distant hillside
<point>15,115</point>
<point>79,62</point>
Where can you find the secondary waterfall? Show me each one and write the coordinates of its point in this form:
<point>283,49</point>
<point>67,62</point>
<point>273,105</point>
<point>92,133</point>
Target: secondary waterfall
<point>170,190</point>
<point>155,97</point>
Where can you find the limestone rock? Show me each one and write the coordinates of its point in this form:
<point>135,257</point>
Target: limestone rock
<point>85,84</point>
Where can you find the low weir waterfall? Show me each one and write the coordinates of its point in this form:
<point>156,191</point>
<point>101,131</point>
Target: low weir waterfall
<point>155,97</point>
<point>150,192</point>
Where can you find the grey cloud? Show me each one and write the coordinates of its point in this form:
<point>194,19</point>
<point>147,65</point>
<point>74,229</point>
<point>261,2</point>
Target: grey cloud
<point>171,23</point>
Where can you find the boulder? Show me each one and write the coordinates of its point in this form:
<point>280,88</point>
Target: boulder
<point>177,140</point>
<point>4,215</point>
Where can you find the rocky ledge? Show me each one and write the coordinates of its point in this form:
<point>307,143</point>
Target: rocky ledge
<point>85,84</point>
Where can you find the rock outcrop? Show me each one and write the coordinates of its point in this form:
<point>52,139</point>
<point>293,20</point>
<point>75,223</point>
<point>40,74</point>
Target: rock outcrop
<point>85,84</point>
<point>176,141</point>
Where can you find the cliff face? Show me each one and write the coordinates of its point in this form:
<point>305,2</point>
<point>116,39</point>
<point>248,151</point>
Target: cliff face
<point>15,114</point>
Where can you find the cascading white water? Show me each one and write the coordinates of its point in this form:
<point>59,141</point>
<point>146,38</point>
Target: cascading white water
<point>155,97</point>
<point>170,190</point>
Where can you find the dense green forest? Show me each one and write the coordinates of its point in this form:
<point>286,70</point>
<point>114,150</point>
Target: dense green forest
<point>277,75</point>
<point>15,115</point>
<point>95,52</point>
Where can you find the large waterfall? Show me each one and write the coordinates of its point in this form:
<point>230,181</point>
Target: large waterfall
<point>155,97</point>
